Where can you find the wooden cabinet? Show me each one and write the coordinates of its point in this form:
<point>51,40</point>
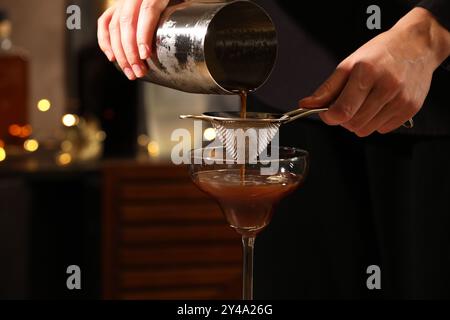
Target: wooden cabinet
<point>162,238</point>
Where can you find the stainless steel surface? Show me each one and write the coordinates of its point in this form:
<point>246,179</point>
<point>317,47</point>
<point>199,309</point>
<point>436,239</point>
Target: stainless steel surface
<point>213,47</point>
<point>301,113</point>
<point>254,119</point>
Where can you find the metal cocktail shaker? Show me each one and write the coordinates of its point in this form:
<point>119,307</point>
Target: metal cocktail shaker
<point>213,47</point>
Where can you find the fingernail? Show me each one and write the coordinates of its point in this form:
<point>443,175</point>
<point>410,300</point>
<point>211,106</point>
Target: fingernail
<point>325,118</point>
<point>130,75</point>
<point>109,55</point>
<point>144,51</point>
<point>307,102</point>
<point>138,70</point>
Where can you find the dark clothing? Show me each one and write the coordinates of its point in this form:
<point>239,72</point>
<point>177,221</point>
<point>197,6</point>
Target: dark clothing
<point>379,201</point>
<point>382,200</point>
<point>440,9</point>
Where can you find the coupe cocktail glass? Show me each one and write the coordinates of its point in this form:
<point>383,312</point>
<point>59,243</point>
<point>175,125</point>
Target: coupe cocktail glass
<point>247,192</point>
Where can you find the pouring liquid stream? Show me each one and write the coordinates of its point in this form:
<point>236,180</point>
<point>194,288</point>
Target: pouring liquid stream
<point>243,96</point>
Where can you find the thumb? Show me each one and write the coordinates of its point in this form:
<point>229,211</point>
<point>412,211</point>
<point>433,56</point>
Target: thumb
<point>328,91</point>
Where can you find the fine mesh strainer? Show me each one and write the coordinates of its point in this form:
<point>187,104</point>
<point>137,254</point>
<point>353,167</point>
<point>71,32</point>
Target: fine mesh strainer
<point>265,125</point>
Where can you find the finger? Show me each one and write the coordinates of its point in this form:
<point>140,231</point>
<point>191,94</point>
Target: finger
<point>355,92</point>
<point>128,28</point>
<point>398,111</point>
<point>104,41</point>
<point>148,20</point>
<point>328,91</point>
<point>116,44</point>
<point>391,125</point>
<point>384,115</point>
<point>382,93</point>
<point>405,113</point>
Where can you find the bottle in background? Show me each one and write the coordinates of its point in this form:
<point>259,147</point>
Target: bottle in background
<point>14,126</point>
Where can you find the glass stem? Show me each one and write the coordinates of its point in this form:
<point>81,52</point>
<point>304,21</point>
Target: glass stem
<point>248,244</point>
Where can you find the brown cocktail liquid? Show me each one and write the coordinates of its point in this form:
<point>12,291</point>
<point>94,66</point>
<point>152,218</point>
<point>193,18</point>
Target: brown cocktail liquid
<point>247,204</point>
<point>243,95</point>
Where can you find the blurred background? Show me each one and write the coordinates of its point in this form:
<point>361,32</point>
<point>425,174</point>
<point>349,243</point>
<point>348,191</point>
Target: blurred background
<point>85,172</point>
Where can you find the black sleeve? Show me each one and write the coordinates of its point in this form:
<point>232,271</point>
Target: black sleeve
<point>441,10</point>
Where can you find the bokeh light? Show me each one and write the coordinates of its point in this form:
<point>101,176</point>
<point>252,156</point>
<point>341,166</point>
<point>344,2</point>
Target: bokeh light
<point>31,145</point>
<point>26,131</point>
<point>209,134</point>
<point>109,3</point>
<point>64,159</point>
<point>70,120</point>
<point>2,154</point>
<point>44,105</point>
<point>66,146</point>
<point>143,140</point>
<point>14,130</point>
<point>153,149</point>
<point>100,136</point>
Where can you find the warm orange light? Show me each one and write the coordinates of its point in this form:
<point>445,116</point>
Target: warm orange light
<point>15,130</point>
<point>64,159</point>
<point>2,154</point>
<point>26,131</point>
<point>31,145</point>
<point>66,146</point>
<point>143,140</point>
<point>100,136</point>
<point>109,3</point>
<point>2,143</point>
<point>153,149</point>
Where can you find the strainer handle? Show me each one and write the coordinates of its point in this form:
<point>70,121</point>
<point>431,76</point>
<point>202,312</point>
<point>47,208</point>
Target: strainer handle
<point>302,112</point>
<point>189,116</point>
